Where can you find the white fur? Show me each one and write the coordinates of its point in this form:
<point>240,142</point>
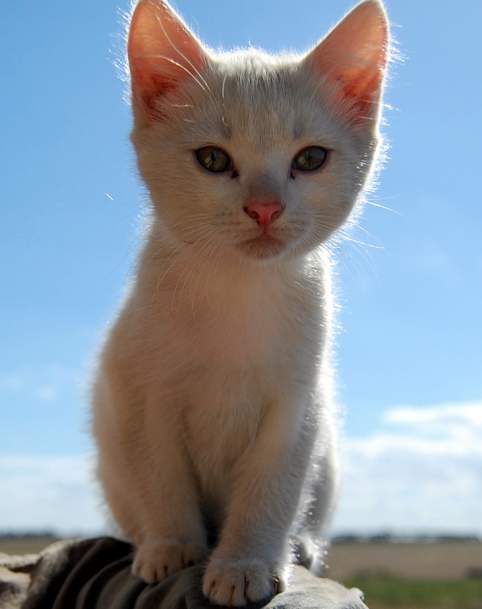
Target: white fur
<point>213,405</point>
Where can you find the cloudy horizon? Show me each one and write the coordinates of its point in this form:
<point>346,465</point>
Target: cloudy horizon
<point>417,472</point>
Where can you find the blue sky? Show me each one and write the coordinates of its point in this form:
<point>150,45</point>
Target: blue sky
<point>411,339</point>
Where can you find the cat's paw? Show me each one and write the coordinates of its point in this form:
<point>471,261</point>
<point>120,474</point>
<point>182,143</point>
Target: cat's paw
<point>155,560</point>
<point>238,582</point>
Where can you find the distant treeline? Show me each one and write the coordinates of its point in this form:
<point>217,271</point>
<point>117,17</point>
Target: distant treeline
<point>381,537</point>
<point>5,535</point>
<point>388,537</point>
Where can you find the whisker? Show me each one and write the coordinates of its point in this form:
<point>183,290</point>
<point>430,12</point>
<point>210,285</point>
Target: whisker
<point>179,65</point>
<point>179,52</point>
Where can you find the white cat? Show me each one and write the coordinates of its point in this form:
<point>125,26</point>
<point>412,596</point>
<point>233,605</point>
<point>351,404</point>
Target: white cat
<point>213,409</point>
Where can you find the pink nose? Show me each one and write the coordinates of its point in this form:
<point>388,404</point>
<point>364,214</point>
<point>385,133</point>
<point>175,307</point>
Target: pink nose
<point>264,212</point>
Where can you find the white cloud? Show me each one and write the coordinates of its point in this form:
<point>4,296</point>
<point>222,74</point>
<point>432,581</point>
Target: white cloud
<point>46,383</point>
<point>47,392</point>
<point>421,470</point>
<point>470,412</point>
<point>49,492</point>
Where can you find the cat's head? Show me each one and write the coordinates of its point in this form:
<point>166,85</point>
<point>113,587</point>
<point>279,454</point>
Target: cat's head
<point>247,153</point>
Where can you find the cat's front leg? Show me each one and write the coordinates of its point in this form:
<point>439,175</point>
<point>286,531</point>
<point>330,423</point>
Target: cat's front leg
<point>173,533</point>
<point>148,482</point>
<point>249,561</point>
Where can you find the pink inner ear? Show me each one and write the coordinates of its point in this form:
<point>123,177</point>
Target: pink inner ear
<point>149,85</point>
<point>354,55</point>
<point>162,54</point>
<point>362,91</point>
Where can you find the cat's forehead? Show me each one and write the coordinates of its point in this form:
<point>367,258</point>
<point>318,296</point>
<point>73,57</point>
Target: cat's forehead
<point>261,99</point>
<point>260,104</point>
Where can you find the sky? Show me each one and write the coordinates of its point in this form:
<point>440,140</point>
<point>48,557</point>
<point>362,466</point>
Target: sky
<point>409,351</point>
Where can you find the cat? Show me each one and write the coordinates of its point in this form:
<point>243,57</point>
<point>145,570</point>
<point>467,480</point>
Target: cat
<point>213,406</point>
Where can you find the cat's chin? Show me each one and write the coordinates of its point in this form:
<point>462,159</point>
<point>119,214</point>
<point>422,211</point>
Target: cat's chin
<point>262,248</point>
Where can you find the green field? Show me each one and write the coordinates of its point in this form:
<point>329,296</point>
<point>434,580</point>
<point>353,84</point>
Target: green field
<point>385,592</point>
<point>411,575</point>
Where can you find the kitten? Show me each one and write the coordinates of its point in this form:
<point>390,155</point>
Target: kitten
<point>213,407</point>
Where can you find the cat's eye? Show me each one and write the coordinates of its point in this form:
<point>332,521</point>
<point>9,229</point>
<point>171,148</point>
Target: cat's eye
<point>214,159</point>
<point>309,159</point>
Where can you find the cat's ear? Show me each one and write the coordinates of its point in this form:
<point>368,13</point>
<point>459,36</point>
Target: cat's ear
<point>354,57</point>
<point>162,54</point>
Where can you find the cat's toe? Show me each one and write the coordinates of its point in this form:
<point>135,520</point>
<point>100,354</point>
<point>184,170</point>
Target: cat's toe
<point>156,560</point>
<point>238,582</point>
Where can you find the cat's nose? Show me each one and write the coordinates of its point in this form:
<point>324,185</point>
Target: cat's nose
<point>264,212</point>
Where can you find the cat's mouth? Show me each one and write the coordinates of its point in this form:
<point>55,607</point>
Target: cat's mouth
<point>262,246</point>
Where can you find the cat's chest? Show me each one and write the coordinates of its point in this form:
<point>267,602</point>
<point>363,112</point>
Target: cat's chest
<point>236,353</point>
<point>222,414</point>
<point>246,335</point>
<point>238,356</point>
<point>257,332</point>
<point>233,328</point>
